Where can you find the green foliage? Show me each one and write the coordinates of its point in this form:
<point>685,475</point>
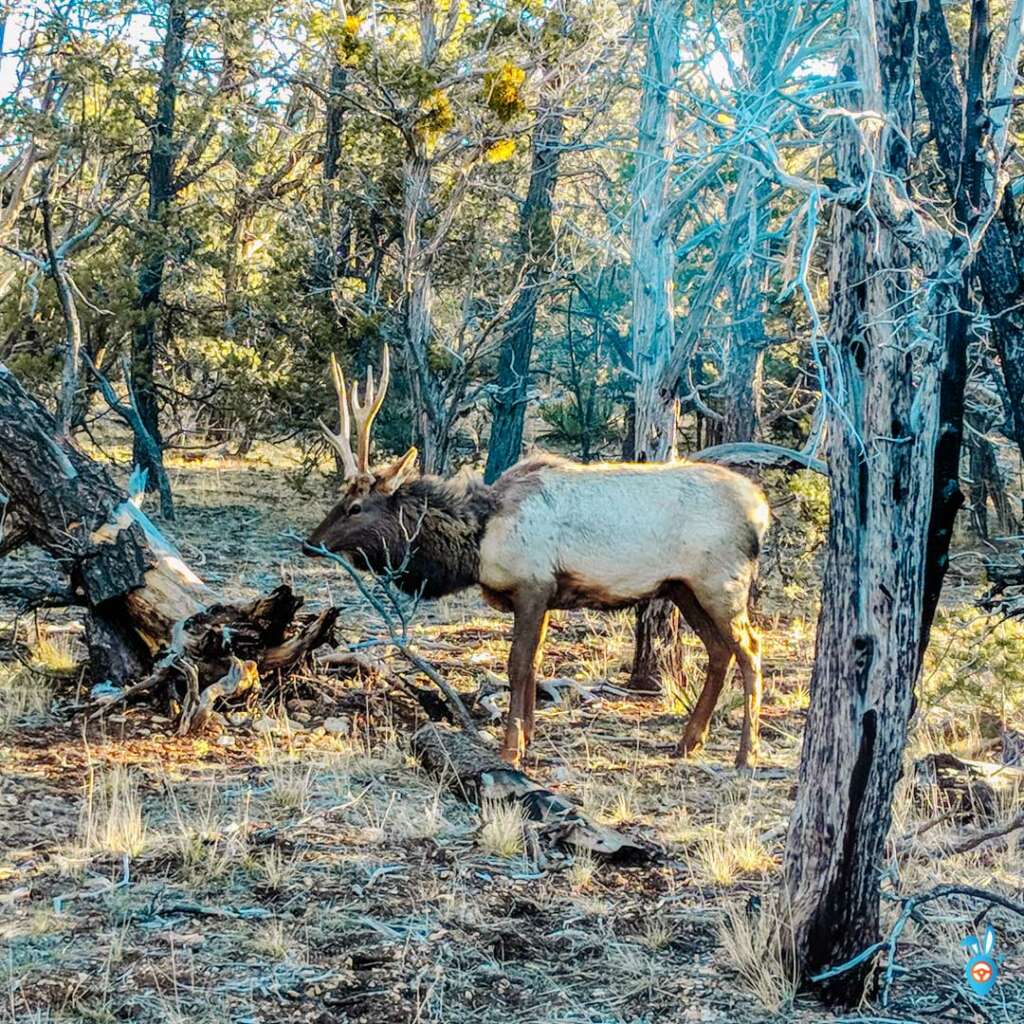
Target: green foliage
<point>791,562</point>
<point>975,660</point>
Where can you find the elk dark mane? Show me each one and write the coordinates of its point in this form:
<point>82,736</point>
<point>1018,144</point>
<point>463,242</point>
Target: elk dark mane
<point>447,520</point>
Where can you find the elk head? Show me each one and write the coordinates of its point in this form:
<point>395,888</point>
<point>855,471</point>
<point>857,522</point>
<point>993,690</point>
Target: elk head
<point>367,524</point>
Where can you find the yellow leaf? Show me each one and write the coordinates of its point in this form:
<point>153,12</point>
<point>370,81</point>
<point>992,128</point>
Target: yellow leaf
<point>500,151</point>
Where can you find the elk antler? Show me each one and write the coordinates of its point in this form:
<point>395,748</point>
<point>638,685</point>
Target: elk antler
<point>342,441</point>
<point>366,412</point>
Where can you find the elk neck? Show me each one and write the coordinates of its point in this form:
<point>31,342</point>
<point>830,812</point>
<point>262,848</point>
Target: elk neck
<point>449,518</point>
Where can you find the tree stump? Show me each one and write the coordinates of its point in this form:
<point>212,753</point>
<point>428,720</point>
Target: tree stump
<point>152,620</point>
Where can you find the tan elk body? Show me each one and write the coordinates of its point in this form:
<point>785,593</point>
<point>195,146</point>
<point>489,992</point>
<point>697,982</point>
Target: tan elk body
<point>551,534</point>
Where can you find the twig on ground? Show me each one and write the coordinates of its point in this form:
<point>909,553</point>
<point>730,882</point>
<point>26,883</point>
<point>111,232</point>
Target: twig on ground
<point>398,635</point>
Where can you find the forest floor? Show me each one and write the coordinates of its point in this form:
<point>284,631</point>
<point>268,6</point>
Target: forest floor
<point>293,864</point>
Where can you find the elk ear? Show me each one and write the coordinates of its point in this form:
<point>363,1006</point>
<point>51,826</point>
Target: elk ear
<point>398,473</point>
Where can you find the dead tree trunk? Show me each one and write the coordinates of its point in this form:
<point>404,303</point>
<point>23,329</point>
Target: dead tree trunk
<point>476,772</point>
<point>72,325</point>
<point>652,271</point>
<point>894,281</point>
<point>150,614</point>
<point>118,563</point>
<point>418,286</point>
<point>958,112</point>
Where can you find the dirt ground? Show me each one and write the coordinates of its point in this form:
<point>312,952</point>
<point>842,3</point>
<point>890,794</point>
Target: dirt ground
<point>293,864</point>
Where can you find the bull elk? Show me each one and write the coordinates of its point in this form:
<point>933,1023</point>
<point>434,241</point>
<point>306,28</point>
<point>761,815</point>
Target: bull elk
<point>551,534</point>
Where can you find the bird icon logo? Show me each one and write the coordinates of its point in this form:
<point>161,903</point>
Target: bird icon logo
<point>982,967</point>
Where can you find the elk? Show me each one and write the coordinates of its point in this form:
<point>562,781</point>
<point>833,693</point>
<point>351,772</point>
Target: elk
<point>552,534</point>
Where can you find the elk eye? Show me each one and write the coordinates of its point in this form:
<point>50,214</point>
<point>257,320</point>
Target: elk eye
<point>355,509</point>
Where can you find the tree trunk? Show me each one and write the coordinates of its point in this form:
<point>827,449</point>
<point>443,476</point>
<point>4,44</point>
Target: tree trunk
<point>418,283</point>
<point>154,258</point>
<point>119,564</point>
<point>741,407</point>
<point>325,249</point>
<point>536,250</point>
<point>882,436</point>
<point>652,271</point>
<point>953,106</point>
<point>475,772</point>
<point>72,325</point>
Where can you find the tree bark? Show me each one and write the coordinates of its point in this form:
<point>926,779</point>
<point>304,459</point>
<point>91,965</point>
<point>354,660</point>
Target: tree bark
<point>652,272</point>
<point>883,430</point>
<point>325,253</point>
<point>118,562</point>
<point>536,251</point>
<point>741,407</point>
<point>154,259</point>
<point>431,422</point>
<point>476,772</point>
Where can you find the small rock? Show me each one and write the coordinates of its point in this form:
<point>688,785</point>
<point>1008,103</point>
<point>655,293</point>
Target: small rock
<point>105,691</point>
<point>560,773</point>
<point>336,726</point>
<point>227,740</point>
<point>264,725</point>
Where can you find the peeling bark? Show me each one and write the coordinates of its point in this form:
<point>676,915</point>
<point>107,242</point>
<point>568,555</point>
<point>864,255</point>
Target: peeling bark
<point>536,250</point>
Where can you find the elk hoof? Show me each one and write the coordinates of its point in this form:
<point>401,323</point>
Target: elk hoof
<point>512,756</point>
<point>688,745</point>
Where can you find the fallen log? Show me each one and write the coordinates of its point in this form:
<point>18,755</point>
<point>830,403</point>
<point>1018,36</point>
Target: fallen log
<point>479,775</point>
<point>966,790</point>
<point>153,623</point>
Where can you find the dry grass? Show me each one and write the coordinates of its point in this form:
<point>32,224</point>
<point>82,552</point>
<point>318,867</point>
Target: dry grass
<point>274,868</point>
<point>581,871</point>
<point>25,698</point>
<point>209,842</point>
<point>111,819</point>
<point>755,945</point>
<point>728,849</point>
<point>501,828</point>
<point>54,653</point>
<point>274,941</point>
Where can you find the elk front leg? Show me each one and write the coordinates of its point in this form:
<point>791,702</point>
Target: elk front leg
<point>531,622</point>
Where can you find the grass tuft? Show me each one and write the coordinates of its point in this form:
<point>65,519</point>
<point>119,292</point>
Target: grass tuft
<point>501,829</point>
<point>24,698</point>
<point>755,945</point>
<point>111,819</point>
<point>54,653</point>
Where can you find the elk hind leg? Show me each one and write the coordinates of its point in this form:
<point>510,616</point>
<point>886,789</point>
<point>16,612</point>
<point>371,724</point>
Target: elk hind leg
<point>719,660</point>
<point>729,611</point>
<point>747,647</point>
